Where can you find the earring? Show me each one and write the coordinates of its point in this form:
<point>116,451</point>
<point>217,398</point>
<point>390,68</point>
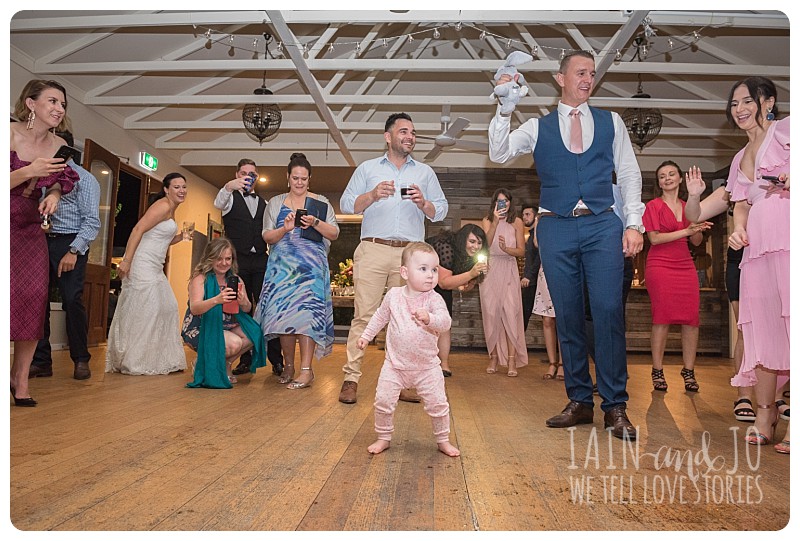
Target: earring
<point>770,116</point>
<point>31,119</point>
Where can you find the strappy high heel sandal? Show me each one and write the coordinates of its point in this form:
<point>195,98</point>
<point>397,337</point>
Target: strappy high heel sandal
<point>743,410</point>
<point>659,382</point>
<point>783,414</point>
<point>689,381</point>
<point>299,384</point>
<point>755,437</point>
<point>551,371</point>
<point>287,375</point>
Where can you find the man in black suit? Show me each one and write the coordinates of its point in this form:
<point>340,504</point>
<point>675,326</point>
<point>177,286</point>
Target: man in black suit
<point>243,216</point>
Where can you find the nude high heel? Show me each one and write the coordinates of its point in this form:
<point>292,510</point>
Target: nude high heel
<point>757,438</point>
<point>299,384</point>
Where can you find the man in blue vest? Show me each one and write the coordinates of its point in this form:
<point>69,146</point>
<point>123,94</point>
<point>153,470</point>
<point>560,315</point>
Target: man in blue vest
<point>577,150</point>
<point>243,216</point>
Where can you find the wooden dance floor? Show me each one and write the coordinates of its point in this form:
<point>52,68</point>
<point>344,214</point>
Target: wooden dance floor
<point>145,453</point>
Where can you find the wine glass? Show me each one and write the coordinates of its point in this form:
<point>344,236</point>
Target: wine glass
<point>188,230</point>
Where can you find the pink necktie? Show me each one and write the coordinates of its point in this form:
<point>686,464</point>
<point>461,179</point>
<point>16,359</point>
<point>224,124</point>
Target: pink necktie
<point>575,132</point>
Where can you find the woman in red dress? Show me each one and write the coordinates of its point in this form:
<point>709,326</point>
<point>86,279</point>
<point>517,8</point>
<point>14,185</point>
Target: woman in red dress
<point>41,109</point>
<point>670,275</point>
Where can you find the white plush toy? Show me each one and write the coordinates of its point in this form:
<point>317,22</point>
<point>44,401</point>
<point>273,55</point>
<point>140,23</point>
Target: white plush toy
<point>510,93</point>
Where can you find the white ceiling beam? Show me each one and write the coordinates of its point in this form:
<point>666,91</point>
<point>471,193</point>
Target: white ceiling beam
<point>310,82</point>
<point>368,114</point>
<point>717,52</point>
<point>371,64</point>
<point>247,144</point>
<point>434,100</point>
<point>577,35</point>
<point>368,80</point>
<point>493,16</point>
<point>618,41</point>
<point>541,54</point>
<point>375,127</point>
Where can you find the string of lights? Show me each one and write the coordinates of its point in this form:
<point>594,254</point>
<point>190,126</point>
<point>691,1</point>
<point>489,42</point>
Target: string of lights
<point>674,43</point>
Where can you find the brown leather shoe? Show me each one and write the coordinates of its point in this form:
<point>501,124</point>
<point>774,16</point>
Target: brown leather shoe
<point>617,420</point>
<point>409,395</point>
<point>574,414</point>
<point>82,371</point>
<point>348,392</point>
<point>37,371</point>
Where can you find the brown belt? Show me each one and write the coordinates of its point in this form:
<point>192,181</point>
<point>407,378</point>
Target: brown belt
<point>576,212</point>
<point>392,243</point>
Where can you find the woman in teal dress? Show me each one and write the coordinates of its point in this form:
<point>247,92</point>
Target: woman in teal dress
<point>219,338</point>
<point>295,302</point>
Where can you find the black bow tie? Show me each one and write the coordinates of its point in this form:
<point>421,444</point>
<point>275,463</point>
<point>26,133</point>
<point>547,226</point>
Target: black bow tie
<point>249,194</point>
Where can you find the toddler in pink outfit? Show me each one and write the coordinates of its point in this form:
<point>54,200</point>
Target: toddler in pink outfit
<point>416,314</point>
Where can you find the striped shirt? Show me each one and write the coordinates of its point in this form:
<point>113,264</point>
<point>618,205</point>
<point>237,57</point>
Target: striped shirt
<point>79,211</point>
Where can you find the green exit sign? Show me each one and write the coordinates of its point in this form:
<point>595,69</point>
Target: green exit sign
<point>148,161</point>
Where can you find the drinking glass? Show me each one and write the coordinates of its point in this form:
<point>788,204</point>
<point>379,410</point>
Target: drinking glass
<point>188,230</point>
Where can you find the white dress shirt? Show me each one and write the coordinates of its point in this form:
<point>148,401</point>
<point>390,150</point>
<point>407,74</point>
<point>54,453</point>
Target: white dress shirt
<point>505,145</point>
<point>224,202</point>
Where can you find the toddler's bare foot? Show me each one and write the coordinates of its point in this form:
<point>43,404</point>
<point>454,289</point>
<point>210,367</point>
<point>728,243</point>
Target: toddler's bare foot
<point>380,446</point>
<point>448,449</point>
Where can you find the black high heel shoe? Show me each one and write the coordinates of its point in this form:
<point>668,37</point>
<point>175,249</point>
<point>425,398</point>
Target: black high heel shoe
<point>689,381</point>
<point>22,402</point>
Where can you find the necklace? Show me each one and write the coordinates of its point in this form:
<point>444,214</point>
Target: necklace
<point>292,204</point>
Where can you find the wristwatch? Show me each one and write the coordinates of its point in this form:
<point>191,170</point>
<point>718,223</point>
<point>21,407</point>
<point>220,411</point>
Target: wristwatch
<point>73,250</point>
<point>639,228</point>
<point>316,222</point>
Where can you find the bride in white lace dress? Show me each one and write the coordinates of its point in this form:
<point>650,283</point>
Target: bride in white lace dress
<point>145,335</point>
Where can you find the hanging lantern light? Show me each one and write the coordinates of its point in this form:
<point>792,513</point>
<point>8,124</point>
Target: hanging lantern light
<point>262,120</point>
<point>643,123</point>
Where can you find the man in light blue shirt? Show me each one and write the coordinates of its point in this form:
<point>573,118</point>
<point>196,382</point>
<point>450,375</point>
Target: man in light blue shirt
<point>394,193</point>
<point>75,225</point>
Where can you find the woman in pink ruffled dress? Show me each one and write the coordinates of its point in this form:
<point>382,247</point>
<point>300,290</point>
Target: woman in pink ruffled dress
<point>759,184</point>
<point>500,293</point>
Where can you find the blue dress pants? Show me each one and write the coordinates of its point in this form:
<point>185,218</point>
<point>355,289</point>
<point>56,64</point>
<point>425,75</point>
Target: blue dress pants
<point>587,250</point>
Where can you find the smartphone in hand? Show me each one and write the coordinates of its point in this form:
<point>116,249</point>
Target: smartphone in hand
<point>66,152</point>
<point>774,180</point>
<point>232,307</point>
<point>298,215</point>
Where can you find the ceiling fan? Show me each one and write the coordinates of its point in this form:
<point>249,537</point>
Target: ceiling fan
<point>449,137</point>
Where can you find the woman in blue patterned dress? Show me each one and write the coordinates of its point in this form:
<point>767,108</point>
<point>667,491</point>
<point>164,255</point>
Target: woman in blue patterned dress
<point>295,303</point>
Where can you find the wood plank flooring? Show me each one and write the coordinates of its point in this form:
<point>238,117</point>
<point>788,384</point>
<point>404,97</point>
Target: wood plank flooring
<point>123,452</point>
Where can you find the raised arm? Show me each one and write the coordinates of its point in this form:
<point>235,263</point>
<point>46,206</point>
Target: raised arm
<point>711,206</point>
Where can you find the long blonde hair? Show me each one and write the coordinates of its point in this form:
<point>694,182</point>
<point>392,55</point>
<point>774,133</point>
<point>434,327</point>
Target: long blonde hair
<point>213,252</point>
